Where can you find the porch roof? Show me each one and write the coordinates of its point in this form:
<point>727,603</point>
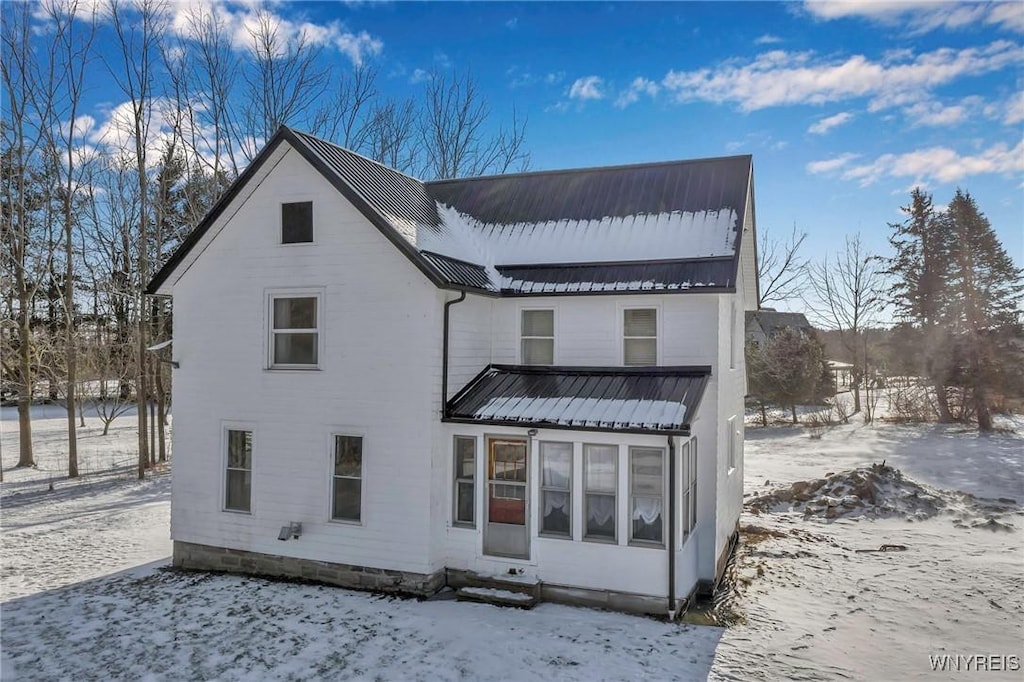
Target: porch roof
<point>653,400</point>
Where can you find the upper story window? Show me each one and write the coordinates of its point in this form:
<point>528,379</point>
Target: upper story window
<point>537,330</point>
<point>294,334</point>
<point>297,222</point>
<point>640,336</point>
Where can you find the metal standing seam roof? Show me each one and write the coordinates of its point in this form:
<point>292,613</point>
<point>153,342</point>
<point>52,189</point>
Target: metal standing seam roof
<point>668,275</point>
<point>402,207</point>
<point>622,399</point>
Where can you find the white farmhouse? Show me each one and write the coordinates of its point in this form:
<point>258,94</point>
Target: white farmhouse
<point>532,381</point>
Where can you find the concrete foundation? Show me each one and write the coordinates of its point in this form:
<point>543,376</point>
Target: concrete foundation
<point>203,557</point>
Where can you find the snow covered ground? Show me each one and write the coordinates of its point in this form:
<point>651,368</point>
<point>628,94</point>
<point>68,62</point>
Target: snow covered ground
<point>85,592</point>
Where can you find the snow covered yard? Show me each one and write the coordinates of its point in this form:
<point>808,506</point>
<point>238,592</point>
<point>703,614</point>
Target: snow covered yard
<point>86,592</point>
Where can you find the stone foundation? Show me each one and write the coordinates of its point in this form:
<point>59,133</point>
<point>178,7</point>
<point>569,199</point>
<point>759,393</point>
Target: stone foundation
<point>206,558</point>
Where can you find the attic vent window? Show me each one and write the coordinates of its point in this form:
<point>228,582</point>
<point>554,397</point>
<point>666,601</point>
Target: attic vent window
<point>297,222</point>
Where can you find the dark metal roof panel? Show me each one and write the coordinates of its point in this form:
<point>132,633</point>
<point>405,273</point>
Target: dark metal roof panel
<point>627,277</point>
<point>634,399</point>
<point>596,193</point>
<point>387,190</point>
<point>460,272</point>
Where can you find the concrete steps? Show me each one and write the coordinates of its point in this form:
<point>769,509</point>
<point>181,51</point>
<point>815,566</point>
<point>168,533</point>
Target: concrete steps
<point>500,590</point>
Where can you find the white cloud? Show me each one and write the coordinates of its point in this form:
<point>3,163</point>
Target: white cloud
<point>419,76</point>
<point>767,39</point>
<point>829,122</point>
<point>779,78</point>
<point>830,165</point>
<point>586,88</point>
<point>639,86</point>
<point>935,114</point>
<point>1015,110</point>
<point>941,164</point>
<point>512,23</point>
<point>240,20</point>
<point>922,16</point>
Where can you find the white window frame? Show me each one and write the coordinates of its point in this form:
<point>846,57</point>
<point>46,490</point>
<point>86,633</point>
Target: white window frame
<point>554,331</point>
<point>664,496</point>
<point>688,488</point>
<point>545,489</point>
<point>225,441</point>
<point>456,479</point>
<point>306,292</point>
<point>658,332</point>
<point>347,433</point>
<point>586,492</point>
<point>280,219</point>
<point>732,437</point>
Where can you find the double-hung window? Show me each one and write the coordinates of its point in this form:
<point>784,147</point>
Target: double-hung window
<point>647,494</point>
<point>640,336</point>
<point>465,482</point>
<point>600,479</point>
<point>294,332</point>
<point>347,489</point>
<point>297,222</point>
<point>688,459</point>
<point>537,331</point>
<point>556,489</point>
<point>238,478</point>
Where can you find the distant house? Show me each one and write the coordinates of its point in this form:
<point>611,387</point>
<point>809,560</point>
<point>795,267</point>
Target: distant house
<point>765,323</point>
<point>532,379</point>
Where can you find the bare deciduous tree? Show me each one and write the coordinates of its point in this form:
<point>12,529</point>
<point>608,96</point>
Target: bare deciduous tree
<point>781,269</point>
<point>848,289</point>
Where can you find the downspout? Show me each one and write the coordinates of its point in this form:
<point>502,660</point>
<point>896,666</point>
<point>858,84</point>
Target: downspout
<point>671,528</point>
<point>444,354</point>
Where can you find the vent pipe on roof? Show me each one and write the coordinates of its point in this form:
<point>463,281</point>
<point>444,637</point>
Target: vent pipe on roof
<point>444,354</point>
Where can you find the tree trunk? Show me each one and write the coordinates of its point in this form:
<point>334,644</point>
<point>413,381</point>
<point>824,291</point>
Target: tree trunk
<point>764,416</point>
<point>25,458</point>
<point>152,432</point>
<point>942,402</point>
<point>981,409</point>
<point>793,410</point>
<point>856,396</point>
<point>69,345</point>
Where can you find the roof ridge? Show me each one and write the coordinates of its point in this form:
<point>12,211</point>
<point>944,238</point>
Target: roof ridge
<point>563,171</point>
<point>337,146</point>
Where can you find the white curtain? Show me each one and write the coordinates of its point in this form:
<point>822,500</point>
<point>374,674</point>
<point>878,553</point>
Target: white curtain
<point>600,509</point>
<point>646,509</point>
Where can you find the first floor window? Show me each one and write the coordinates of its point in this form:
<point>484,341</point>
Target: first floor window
<point>640,336</point>
<point>238,493</point>
<point>346,504</point>
<point>600,478</point>
<point>295,338</point>
<point>538,337</point>
<point>556,488</point>
<point>689,460</point>
<point>647,496</point>
<point>465,476</point>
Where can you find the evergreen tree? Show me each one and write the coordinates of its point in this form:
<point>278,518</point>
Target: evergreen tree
<point>921,269</point>
<point>787,370</point>
<point>983,293</point>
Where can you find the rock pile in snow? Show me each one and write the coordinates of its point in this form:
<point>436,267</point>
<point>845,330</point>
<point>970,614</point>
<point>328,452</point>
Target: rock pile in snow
<point>877,491</point>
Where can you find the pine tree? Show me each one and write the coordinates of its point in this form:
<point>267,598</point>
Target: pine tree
<point>984,290</point>
<point>921,269</point>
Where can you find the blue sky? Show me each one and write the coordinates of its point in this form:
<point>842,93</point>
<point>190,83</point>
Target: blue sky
<point>845,105</point>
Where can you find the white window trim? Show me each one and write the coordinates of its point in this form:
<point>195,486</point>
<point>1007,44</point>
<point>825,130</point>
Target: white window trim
<point>732,436</point>
<point>224,428</point>
<point>270,295</point>
<point>664,498</point>
<point>554,331</point>
<point>734,343</point>
<point>541,488</point>
<point>352,433</point>
<point>298,199</point>
<point>586,491</point>
<point>455,478</point>
<point>688,488</point>
<point>659,330</point>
